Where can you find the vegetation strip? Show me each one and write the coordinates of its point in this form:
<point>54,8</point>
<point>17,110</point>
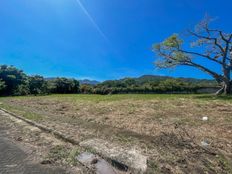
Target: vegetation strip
<point>66,138</point>
<point>14,81</point>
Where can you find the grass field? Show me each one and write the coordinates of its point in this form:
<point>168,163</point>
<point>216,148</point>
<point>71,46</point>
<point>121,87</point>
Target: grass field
<point>167,128</point>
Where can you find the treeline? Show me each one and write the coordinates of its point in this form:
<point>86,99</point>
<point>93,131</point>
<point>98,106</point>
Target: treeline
<point>143,85</point>
<point>15,82</point>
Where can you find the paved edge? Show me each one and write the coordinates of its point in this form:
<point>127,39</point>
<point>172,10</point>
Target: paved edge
<point>69,139</point>
<point>58,134</point>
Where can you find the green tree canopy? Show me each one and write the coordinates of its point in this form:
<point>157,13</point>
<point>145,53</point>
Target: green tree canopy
<point>12,78</point>
<point>37,85</point>
<point>65,85</point>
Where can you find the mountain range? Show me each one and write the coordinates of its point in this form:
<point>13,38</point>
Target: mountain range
<point>149,78</point>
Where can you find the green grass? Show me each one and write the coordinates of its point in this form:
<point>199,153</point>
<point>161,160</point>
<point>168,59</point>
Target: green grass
<point>32,116</point>
<point>226,163</point>
<point>21,112</point>
<point>117,97</point>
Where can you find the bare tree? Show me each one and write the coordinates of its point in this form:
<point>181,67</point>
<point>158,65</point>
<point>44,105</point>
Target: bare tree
<point>207,46</point>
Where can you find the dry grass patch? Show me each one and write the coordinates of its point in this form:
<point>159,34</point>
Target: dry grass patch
<point>168,128</point>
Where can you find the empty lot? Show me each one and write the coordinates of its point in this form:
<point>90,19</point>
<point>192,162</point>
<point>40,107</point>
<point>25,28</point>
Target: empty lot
<point>167,128</point>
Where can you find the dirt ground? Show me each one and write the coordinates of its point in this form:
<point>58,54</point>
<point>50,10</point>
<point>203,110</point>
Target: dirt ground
<point>167,128</point>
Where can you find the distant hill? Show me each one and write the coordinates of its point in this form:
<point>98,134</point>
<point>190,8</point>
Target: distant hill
<point>82,82</point>
<point>50,78</point>
<point>156,78</point>
<point>89,82</point>
<point>149,78</point>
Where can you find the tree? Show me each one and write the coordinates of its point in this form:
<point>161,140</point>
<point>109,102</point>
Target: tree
<point>129,82</point>
<point>37,85</point>
<point>173,85</point>
<point>212,45</point>
<point>22,89</point>
<point>86,89</point>
<point>65,85</point>
<point>12,78</point>
<point>2,85</point>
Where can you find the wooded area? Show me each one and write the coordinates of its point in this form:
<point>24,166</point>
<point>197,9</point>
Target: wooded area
<point>15,82</point>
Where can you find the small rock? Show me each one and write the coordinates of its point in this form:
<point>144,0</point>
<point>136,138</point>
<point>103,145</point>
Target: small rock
<point>94,161</point>
<point>11,166</point>
<point>46,162</point>
<point>204,118</point>
<point>205,143</point>
<point>101,166</point>
<point>19,139</point>
<point>87,158</point>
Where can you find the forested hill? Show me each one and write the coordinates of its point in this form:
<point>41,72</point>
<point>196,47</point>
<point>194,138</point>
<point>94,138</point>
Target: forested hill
<point>157,79</point>
<point>151,84</point>
<point>149,79</point>
<point>82,82</point>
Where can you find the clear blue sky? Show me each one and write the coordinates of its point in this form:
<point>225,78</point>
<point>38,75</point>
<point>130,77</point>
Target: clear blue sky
<point>98,39</point>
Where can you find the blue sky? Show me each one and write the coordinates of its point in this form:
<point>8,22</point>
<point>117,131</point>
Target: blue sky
<point>98,39</point>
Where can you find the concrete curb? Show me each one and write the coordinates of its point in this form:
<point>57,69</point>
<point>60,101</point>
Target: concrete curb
<point>116,162</point>
<point>56,133</point>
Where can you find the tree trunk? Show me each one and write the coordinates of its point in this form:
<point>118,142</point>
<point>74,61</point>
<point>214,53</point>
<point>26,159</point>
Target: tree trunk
<point>225,89</point>
<point>226,82</point>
